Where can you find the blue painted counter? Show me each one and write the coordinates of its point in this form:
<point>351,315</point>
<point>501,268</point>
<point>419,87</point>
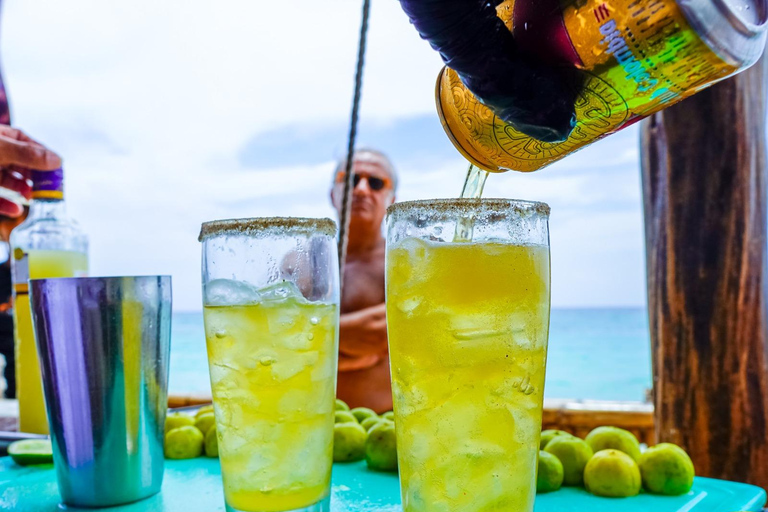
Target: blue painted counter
<point>195,485</point>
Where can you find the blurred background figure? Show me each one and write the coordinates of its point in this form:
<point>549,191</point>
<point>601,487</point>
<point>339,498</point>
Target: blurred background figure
<point>364,379</point>
<point>18,154</point>
<point>6,306</point>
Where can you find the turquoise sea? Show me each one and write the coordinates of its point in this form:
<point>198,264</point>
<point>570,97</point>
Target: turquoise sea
<point>594,354</point>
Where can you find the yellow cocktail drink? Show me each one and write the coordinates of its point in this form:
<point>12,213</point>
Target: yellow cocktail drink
<point>273,376</point>
<point>40,264</point>
<point>468,325</point>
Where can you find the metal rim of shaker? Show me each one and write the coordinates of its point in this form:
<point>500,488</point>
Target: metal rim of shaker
<point>101,278</point>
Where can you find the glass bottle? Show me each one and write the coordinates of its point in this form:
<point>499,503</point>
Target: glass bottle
<point>47,244</point>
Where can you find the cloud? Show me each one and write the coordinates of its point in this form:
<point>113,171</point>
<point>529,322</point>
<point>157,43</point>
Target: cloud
<point>169,114</point>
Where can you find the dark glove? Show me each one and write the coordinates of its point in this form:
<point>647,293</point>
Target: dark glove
<point>534,98</point>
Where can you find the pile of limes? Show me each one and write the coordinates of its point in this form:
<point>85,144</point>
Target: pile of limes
<point>609,462</point>
<point>360,434</point>
<point>187,437</point>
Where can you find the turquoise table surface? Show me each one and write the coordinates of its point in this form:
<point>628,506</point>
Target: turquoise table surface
<point>195,485</point>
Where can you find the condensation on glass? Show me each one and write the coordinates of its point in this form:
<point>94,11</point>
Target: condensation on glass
<point>271,312</point>
<point>468,322</point>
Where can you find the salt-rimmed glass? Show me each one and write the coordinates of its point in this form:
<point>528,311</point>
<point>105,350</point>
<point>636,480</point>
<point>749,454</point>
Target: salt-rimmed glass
<point>468,321</point>
<point>271,308</point>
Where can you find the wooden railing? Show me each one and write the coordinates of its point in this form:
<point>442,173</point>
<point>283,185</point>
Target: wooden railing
<point>175,401</point>
<point>580,417</point>
<point>576,417</point>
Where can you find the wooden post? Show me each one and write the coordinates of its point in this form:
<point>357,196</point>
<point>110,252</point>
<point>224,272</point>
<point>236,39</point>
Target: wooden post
<point>704,185</point>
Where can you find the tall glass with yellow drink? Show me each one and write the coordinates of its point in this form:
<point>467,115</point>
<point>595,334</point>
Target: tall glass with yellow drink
<point>468,322</point>
<point>271,310</point>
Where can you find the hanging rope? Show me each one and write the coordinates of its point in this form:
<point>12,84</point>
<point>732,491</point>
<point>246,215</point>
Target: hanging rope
<point>348,177</point>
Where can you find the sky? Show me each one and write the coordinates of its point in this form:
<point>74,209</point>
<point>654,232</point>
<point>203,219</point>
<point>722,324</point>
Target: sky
<point>171,113</point>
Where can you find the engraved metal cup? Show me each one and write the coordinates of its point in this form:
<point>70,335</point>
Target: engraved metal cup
<point>104,346</point>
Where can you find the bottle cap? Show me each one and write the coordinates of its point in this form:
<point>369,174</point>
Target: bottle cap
<point>48,184</point>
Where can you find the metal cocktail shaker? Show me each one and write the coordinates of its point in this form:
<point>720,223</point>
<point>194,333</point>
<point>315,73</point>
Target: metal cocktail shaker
<point>104,346</point>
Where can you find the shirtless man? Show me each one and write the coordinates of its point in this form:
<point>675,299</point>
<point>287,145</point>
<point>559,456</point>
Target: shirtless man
<point>363,353</point>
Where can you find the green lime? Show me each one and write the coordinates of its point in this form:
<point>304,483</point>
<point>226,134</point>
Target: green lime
<point>389,415</point>
<point>348,442</point>
<point>203,410</point>
<point>666,469</point>
<point>344,417</point>
<point>211,443</point>
<point>204,422</point>
<point>29,452</point>
<point>183,443</point>
<point>381,447</point>
<point>574,453</point>
<point>549,476</point>
<point>548,435</point>
<point>361,413</point>
<point>341,405</point>
<point>604,438</point>
<point>177,420</point>
<point>612,473</point>
<point>368,423</point>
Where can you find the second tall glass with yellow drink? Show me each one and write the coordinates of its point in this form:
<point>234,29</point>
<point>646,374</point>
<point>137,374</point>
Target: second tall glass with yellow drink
<point>468,323</point>
<point>47,244</point>
<point>271,310</point>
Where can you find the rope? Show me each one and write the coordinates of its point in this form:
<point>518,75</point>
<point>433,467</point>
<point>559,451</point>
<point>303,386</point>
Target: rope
<point>348,177</point>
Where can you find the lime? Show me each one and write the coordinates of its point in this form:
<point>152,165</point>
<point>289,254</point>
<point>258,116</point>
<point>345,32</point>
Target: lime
<point>362,413</point>
<point>381,447</point>
<point>341,405</point>
<point>348,442</point>
<point>368,423</point>
<point>177,420</point>
<point>183,443</point>
<point>204,422</point>
<point>549,476</point>
<point>612,473</point>
<point>574,454</point>
<point>204,409</point>
<point>548,435</point>
<point>344,417</point>
<point>389,415</point>
<point>604,438</point>
<point>666,469</point>
<point>211,443</point>
<point>29,452</point>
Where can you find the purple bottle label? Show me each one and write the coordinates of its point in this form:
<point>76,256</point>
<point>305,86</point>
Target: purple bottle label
<point>48,184</point>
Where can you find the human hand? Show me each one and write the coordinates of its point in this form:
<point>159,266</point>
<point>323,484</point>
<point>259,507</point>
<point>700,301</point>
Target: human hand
<point>364,332</point>
<point>19,154</point>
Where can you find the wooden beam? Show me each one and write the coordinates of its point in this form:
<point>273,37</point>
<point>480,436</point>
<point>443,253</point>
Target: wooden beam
<point>704,185</point>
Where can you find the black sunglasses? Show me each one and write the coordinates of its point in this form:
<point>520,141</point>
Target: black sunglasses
<point>375,183</point>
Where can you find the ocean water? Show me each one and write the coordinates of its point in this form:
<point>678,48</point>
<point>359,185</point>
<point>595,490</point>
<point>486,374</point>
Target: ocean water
<point>594,354</point>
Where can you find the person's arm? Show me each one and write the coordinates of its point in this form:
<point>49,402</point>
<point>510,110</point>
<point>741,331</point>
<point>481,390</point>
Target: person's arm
<point>363,332</point>
<point>18,154</point>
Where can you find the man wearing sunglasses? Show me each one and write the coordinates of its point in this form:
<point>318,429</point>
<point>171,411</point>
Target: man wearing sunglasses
<point>363,353</point>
